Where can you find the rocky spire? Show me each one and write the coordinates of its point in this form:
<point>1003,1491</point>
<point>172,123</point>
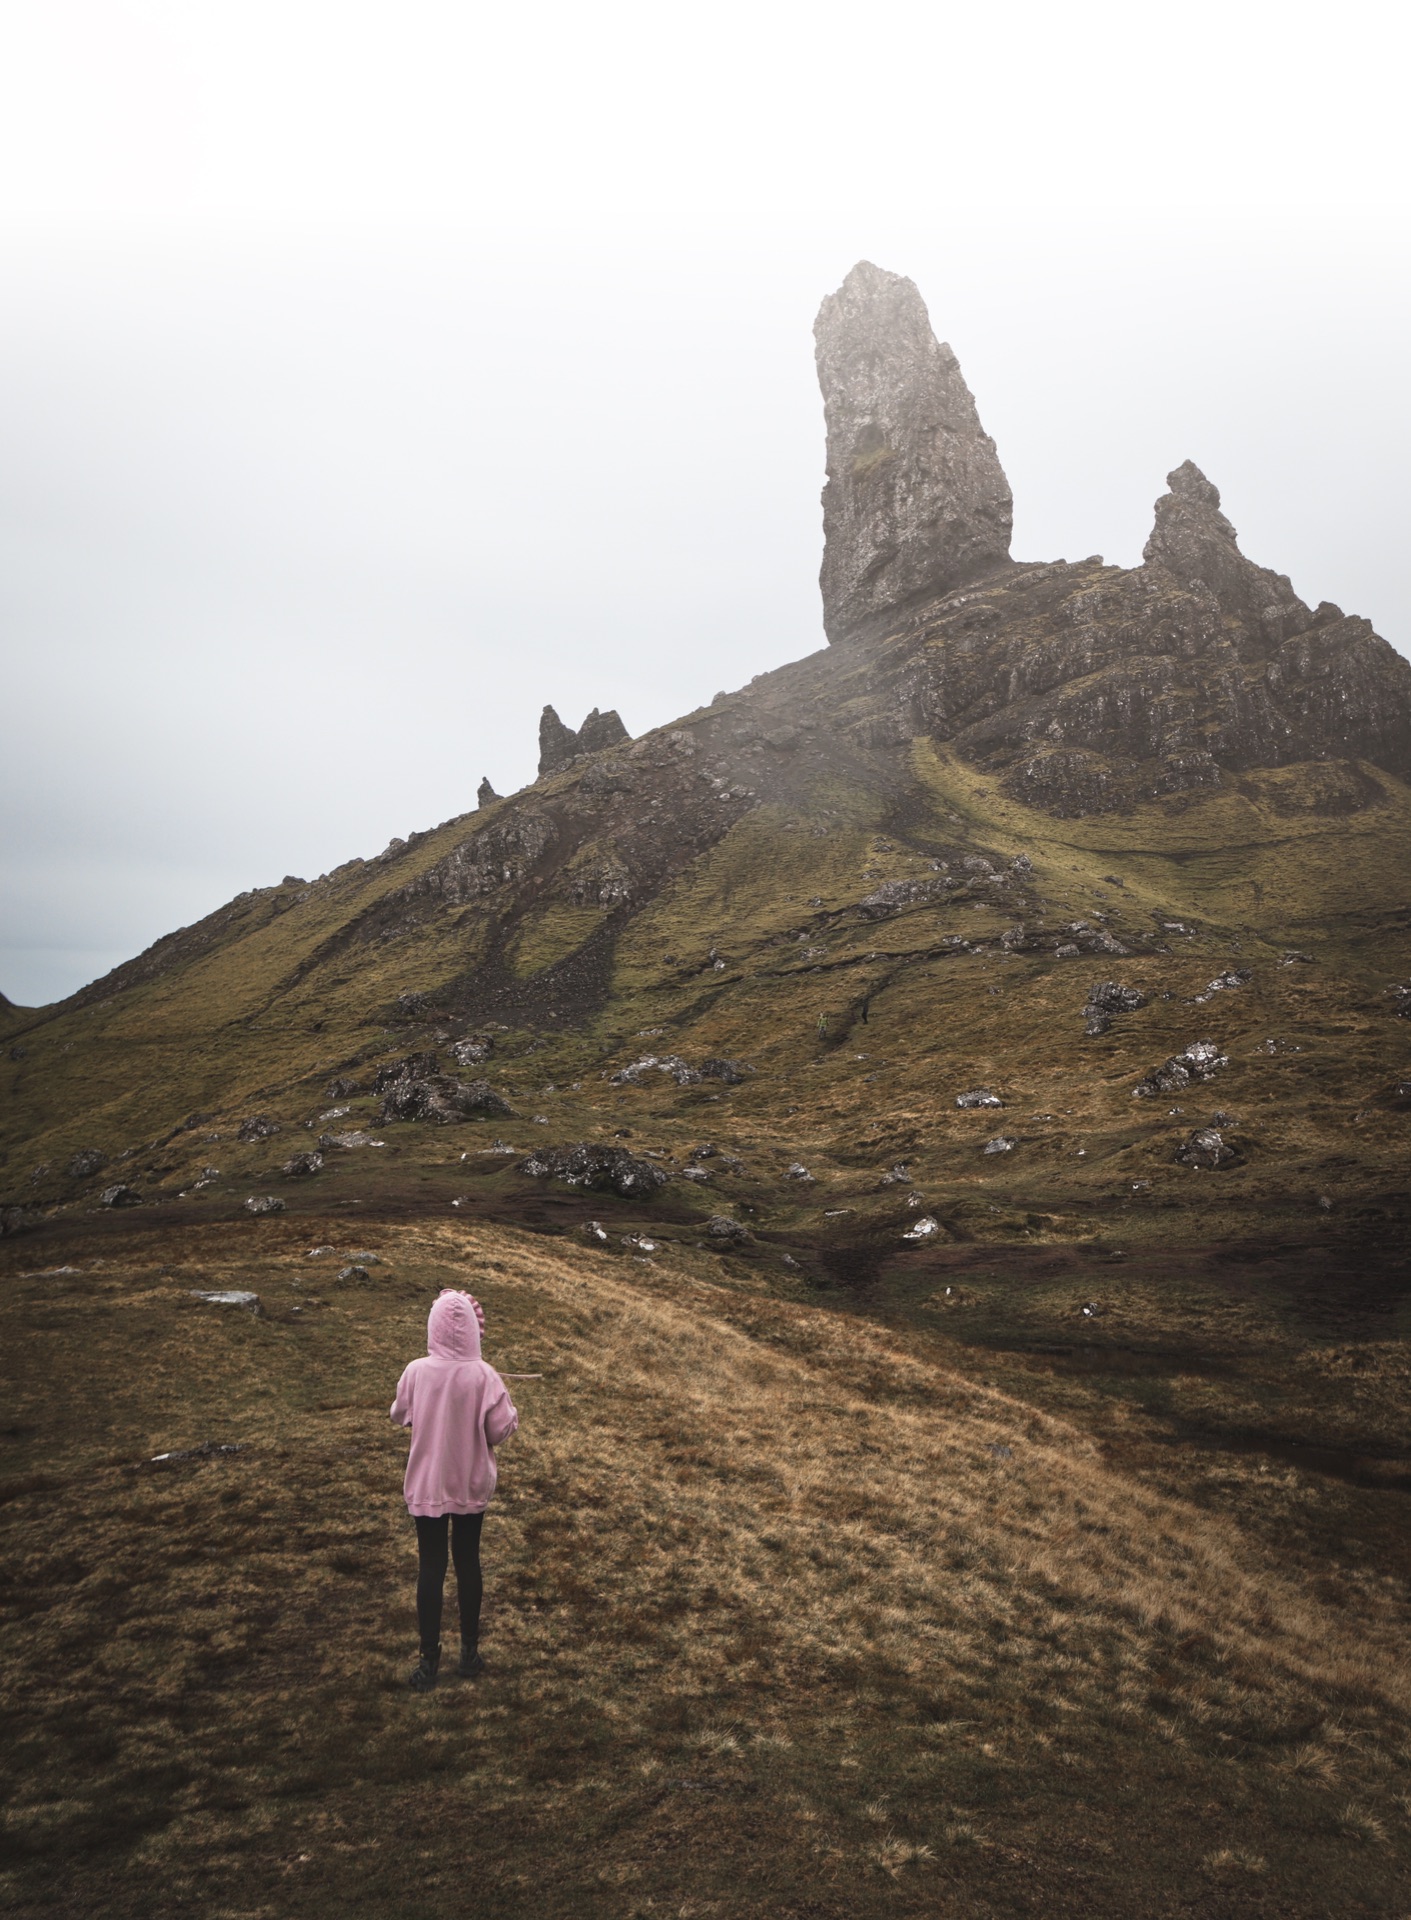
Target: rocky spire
<point>485,794</point>
<point>916,501</point>
<point>560,746</point>
<point>1197,546</point>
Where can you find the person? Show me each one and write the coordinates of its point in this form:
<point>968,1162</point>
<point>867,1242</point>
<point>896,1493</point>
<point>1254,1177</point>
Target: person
<point>459,1411</point>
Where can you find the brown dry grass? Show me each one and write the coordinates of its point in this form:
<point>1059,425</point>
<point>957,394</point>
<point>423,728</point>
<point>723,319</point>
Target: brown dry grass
<point>786,1615</point>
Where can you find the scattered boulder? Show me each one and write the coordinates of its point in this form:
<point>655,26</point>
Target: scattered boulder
<point>596,1234</point>
<point>341,1088</point>
<point>231,1297</point>
<point>16,1219</point>
<point>978,1097</point>
<point>347,1140</point>
<point>440,1100</point>
<point>899,1175</point>
<point>264,1203</point>
<point>355,1275</point>
<point>472,1050</point>
<point>1002,1143</point>
<point>729,1232</point>
<point>668,1063</point>
<point>120,1196</point>
<point>603,1169</point>
<point>798,1171</point>
<point>893,895</point>
<point>1105,999</point>
<point>1195,1062</point>
<point>303,1164</point>
<point>86,1162</point>
<point>732,1072</point>
<point>926,1228</point>
<point>257,1127</point>
<point>415,1066</point>
<point>485,794</point>
<point>1206,1147</point>
<point>1231,978</point>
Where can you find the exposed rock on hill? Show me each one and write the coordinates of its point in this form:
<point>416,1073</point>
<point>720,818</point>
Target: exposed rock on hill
<point>916,501</point>
<point>602,1169</point>
<point>560,746</point>
<point>485,794</point>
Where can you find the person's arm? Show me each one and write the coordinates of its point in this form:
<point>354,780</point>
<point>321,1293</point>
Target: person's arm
<point>401,1410</point>
<point>501,1419</point>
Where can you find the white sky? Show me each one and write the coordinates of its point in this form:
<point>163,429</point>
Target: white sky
<point>371,374</point>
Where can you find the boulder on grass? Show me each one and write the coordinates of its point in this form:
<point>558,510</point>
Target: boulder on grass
<point>601,1169</point>
<point>440,1100</point>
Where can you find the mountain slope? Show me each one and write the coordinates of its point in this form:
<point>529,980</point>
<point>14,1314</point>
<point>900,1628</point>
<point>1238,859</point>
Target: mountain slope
<point>877,877</point>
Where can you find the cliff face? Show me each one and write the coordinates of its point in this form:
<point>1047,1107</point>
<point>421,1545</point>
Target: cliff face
<point>1087,688</point>
<point>916,501</point>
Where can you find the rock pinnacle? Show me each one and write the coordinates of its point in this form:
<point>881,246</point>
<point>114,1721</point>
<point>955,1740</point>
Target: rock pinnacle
<point>916,501</point>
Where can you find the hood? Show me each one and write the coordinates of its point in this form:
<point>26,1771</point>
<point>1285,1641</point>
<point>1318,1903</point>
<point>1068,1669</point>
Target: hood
<point>452,1330</point>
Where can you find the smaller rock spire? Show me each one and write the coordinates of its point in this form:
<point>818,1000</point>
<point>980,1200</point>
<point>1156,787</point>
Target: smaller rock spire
<point>485,794</point>
<point>1198,546</point>
<point>560,746</point>
<point>1193,540</point>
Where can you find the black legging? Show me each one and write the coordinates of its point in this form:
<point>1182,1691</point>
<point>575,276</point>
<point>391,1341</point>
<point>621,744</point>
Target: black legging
<point>464,1529</point>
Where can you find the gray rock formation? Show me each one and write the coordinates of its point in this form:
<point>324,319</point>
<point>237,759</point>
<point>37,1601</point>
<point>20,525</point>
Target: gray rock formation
<point>1198,547</point>
<point>560,746</point>
<point>603,1169</point>
<point>485,794</point>
<point>916,501</point>
<point>440,1099</point>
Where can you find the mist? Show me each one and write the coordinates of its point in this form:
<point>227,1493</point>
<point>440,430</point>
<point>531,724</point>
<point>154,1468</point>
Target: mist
<point>354,405</point>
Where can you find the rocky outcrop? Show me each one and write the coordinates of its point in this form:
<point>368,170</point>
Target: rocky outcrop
<point>602,1169</point>
<point>1087,689</point>
<point>916,501</point>
<point>560,746</point>
<point>485,794</point>
<point>440,1100</point>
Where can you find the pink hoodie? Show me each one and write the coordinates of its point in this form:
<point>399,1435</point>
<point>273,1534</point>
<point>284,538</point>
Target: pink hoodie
<point>459,1411</point>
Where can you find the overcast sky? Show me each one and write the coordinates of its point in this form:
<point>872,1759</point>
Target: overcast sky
<point>372,373</point>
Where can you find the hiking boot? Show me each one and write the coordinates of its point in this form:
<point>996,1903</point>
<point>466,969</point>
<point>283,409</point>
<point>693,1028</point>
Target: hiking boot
<point>472,1664</point>
<point>423,1675</point>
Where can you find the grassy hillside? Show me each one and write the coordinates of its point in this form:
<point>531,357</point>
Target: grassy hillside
<point>788,1612</point>
<point>752,941</point>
